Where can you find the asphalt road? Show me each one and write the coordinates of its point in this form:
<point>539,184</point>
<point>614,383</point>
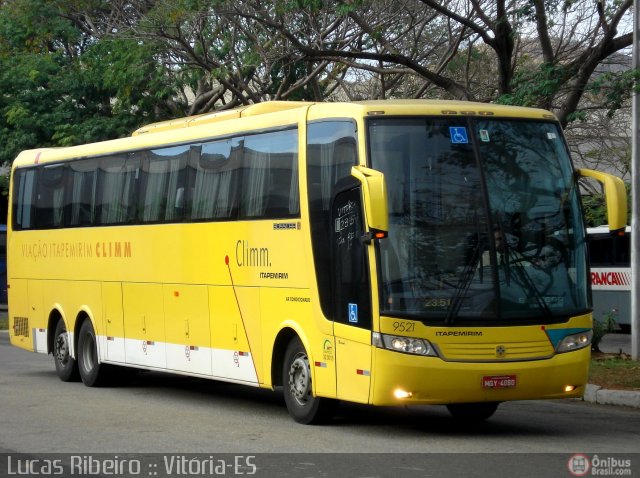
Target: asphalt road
<point>160,413</point>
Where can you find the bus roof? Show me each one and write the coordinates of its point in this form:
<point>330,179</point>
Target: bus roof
<point>268,114</point>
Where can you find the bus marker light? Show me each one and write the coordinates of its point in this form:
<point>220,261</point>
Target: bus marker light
<point>400,394</point>
<point>569,388</point>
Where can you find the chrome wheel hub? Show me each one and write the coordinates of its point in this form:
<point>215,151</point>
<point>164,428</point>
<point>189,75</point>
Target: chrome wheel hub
<point>300,380</point>
<point>62,348</point>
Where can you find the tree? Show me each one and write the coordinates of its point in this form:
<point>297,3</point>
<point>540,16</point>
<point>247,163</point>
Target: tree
<point>62,87</point>
<point>543,52</point>
<point>91,69</point>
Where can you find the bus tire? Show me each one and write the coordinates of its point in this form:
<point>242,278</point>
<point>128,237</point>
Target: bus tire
<point>91,371</point>
<point>473,411</point>
<point>66,365</point>
<point>298,390</point>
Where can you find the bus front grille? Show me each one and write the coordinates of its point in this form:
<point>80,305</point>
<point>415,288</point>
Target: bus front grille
<point>506,351</point>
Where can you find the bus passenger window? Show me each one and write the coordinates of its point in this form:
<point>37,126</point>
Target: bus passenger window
<point>117,190</point>
<point>81,200</point>
<point>213,180</point>
<point>164,174</point>
<point>270,176</point>
<point>49,204</point>
<point>23,180</point>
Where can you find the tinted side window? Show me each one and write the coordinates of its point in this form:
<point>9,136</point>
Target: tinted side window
<point>117,190</point>
<point>270,176</point>
<point>331,152</point>
<point>49,203</point>
<point>606,250</point>
<point>164,173</point>
<point>81,197</point>
<point>351,292</point>
<point>214,180</point>
<point>23,184</point>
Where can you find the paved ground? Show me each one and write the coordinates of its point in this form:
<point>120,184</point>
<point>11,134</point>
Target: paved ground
<point>614,343</point>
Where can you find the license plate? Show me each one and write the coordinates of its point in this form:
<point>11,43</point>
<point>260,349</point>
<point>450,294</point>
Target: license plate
<point>499,381</point>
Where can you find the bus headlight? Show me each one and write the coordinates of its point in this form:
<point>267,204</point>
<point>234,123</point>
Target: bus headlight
<point>575,342</point>
<point>407,345</point>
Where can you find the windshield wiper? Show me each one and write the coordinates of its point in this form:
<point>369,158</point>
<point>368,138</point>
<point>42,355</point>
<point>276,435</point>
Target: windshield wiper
<point>464,282</point>
<point>528,283</point>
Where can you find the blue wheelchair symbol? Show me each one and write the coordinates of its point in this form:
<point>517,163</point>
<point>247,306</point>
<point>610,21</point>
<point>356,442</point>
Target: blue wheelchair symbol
<point>458,135</point>
<point>353,313</point>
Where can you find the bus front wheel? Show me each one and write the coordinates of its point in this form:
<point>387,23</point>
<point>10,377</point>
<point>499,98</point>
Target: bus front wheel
<point>66,366</point>
<point>298,394</point>
<point>473,411</point>
<point>92,372</point>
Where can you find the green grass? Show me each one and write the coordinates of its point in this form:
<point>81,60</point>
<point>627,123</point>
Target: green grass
<point>615,372</point>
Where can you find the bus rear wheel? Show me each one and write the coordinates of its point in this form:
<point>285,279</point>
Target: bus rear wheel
<point>473,411</point>
<point>66,366</point>
<point>298,394</point>
<point>92,372</point>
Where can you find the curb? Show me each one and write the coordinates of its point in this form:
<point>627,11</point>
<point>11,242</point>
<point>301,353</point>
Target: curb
<point>625,398</point>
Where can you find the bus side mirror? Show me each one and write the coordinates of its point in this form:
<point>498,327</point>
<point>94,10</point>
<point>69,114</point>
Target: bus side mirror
<point>615,197</point>
<point>374,189</point>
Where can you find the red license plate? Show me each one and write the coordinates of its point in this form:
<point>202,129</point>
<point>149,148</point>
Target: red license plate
<point>499,381</point>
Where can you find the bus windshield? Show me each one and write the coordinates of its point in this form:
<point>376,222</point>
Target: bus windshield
<point>484,221</point>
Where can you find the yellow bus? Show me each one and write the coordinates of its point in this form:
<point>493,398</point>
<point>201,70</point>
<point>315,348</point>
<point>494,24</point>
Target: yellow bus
<point>384,253</point>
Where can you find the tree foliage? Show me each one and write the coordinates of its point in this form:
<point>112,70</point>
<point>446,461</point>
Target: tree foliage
<point>61,86</point>
<point>84,70</point>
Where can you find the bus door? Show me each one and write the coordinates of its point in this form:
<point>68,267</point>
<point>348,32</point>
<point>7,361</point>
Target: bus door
<point>351,296</point>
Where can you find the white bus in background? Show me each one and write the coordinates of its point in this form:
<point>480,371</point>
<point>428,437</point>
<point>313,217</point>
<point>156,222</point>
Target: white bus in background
<point>610,257</point>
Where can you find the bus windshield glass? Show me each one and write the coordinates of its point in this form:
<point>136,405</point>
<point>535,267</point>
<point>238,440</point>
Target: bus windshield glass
<point>484,221</point>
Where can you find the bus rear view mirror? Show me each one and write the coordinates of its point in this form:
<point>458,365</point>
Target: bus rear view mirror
<point>615,197</point>
<point>374,190</point>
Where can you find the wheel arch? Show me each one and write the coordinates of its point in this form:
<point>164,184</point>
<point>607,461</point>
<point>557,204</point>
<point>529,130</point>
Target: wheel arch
<point>284,337</point>
<point>82,316</point>
<point>55,315</point>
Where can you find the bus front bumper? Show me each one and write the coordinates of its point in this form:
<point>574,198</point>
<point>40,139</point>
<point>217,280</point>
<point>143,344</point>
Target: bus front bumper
<point>404,379</point>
